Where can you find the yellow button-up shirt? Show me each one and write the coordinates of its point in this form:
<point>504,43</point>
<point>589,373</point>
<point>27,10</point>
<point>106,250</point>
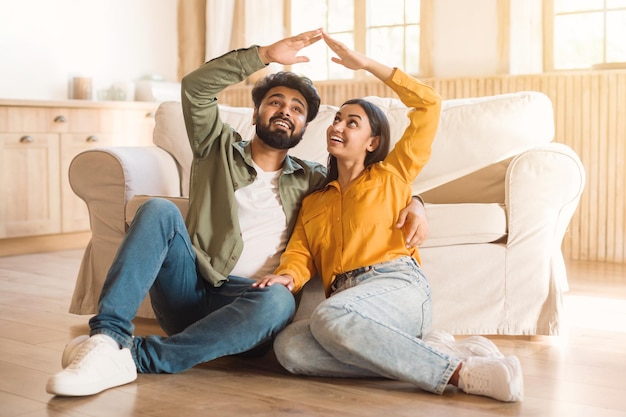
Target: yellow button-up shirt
<point>340,231</point>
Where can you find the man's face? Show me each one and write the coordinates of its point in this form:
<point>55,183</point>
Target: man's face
<point>281,118</point>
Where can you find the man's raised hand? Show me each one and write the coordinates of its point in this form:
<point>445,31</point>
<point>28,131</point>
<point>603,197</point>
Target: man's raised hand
<point>285,51</point>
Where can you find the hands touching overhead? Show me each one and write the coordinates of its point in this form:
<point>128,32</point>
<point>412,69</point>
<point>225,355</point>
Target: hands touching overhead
<point>286,51</point>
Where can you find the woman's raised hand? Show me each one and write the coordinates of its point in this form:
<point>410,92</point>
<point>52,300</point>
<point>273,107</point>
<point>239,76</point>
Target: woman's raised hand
<point>355,60</point>
<point>346,57</point>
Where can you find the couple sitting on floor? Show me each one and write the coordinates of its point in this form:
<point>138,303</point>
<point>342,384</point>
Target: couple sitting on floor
<point>257,212</point>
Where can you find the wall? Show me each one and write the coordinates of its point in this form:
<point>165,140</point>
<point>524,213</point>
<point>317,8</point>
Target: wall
<point>43,43</point>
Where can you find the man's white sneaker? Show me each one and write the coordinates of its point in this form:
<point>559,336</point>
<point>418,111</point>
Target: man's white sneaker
<point>71,350</point>
<point>97,366</point>
<point>499,378</point>
<point>471,346</point>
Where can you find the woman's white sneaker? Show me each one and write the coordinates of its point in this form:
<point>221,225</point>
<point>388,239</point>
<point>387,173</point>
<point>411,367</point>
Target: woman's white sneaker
<point>498,378</point>
<point>97,365</point>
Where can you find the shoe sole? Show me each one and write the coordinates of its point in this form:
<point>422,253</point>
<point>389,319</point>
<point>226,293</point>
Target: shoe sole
<point>73,390</point>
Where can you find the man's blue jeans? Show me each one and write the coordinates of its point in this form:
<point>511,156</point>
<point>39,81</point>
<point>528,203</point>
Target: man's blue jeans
<point>203,322</point>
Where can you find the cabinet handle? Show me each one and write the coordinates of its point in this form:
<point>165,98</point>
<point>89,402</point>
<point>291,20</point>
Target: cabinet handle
<point>26,139</point>
<point>60,119</point>
<point>92,138</point>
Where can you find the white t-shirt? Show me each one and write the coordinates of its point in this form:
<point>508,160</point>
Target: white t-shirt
<point>263,226</point>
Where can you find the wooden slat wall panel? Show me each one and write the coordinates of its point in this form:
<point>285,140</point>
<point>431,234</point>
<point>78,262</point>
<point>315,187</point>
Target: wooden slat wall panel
<point>590,117</point>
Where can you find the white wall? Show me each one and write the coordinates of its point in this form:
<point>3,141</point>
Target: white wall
<point>44,43</point>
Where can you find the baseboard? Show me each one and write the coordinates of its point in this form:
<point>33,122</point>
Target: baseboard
<point>47,243</point>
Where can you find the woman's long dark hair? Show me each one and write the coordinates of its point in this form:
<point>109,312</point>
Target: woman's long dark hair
<point>380,127</point>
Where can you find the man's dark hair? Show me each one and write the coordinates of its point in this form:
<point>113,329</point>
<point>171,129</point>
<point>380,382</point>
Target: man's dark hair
<point>290,80</point>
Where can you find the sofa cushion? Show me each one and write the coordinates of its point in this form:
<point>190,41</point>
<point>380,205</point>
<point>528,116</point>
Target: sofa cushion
<point>477,132</point>
<point>313,144</point>
<point>501,126</point>
<point>170,133</point>
<point>460,224</point>
<point>473,133</point>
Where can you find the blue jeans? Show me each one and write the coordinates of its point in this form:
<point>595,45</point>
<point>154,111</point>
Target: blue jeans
<point>203,322</point>
<point>370,326</point>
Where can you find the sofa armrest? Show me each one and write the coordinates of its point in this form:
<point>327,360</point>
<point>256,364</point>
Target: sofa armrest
<point>123,172</point>
<point>107,179</point>
<point>542,190</point>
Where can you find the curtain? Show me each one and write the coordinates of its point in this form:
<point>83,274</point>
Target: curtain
<point>191,32</point>
<point>220,19</point>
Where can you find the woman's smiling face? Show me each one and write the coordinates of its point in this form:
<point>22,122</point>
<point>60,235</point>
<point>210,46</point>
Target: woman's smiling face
<point>350,135</point>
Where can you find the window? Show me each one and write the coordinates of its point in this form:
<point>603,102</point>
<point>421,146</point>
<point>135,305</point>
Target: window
<point>387,30</point>
<point>586,34</point>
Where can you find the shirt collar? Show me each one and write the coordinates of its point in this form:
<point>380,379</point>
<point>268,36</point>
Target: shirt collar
<point>290,165</point>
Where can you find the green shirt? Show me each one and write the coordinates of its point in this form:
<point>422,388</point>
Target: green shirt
<point>222,163</point>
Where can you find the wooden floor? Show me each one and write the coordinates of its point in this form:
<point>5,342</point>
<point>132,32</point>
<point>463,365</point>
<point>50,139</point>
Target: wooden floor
<point>580,373</point>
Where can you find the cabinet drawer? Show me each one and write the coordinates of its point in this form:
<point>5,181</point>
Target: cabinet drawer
<point>33,119</point>
<point>60,120</point>
<point>95,120</point>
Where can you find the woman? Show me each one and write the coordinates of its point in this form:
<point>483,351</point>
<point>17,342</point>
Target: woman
<point>378,305</point>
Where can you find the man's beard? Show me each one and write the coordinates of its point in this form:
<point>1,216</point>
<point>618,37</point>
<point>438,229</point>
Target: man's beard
<point>278,139</point>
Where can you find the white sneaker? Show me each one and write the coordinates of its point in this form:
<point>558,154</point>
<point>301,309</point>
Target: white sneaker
<point>498,378</point>
<point>97,366</point>
<point>471,346</point>
<point>71,350</point>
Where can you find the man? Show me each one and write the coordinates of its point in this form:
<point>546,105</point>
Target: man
<point>244,198</point>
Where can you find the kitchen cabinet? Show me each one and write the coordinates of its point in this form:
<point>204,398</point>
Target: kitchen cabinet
<point>39,139</point>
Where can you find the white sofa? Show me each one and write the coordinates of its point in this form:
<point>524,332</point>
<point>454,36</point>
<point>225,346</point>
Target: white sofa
<point>500,195</point>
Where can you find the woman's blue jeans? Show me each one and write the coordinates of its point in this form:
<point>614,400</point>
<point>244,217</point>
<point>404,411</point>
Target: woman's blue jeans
<point>203,322</point>
<point>370,326</point>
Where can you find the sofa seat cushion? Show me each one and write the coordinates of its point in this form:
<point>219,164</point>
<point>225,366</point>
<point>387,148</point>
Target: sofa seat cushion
<point>466,223</point>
